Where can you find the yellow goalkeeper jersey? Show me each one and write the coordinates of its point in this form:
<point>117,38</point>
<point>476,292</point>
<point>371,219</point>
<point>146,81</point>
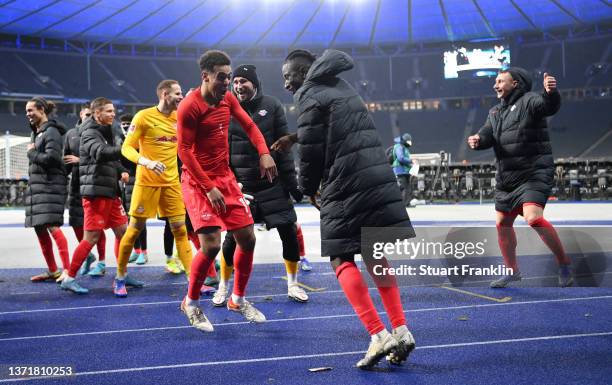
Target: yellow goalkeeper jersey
<point>153,135</point>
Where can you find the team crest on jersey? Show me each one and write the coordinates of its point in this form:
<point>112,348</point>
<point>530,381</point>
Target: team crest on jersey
<point>170,139</point>
<point>140,209</point>
<point>132,128</point>
<point>206,216</point>
<point>263,112</point>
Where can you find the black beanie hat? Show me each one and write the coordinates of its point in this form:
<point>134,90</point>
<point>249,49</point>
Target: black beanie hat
<point>247,71</point>
<point>522,76</point>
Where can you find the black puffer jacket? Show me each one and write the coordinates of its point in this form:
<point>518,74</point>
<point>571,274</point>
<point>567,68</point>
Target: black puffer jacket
<point>340,148</point>
<point>100,164</point>
<point>72,140</point>
<point>129,167</point>
<point>517,130</point>
<point>46,192</point>
<point>272,204</point>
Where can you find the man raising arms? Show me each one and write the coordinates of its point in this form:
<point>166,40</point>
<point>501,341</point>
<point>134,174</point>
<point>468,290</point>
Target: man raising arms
<point>214,200</point>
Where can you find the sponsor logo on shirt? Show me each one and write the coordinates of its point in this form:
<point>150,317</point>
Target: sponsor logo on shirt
<point>206,216</point>
<point>171,139</point>
<point>263,112</point>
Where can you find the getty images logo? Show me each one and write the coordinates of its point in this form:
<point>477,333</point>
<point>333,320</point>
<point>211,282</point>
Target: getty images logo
<point>423,248</point>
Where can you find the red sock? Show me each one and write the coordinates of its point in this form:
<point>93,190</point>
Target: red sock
<point>506,238</point>
<point>392,302</point>
<point>80,254</point>
<point>243,265</point>
<point>199,267</point>
<point>78,231</point>
<point>193,237</point>
<point>390,295</point>
<point>101,247</point>
<point>62,247</point>
<point>356,292</point>
<point>212,272</point>
<point>46,246</point>
<point>549,235</point>
<point>300,238</point>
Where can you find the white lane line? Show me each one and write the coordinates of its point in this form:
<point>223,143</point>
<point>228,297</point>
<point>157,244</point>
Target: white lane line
<point>311,318</point>
<point>147,303</point>
<point>319,355</point>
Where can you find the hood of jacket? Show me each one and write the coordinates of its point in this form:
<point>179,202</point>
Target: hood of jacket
<point>330,64</point>
<point>61,127</point>
<point>327,66</point>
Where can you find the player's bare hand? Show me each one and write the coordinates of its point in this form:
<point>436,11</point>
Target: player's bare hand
<point>125,177</point>
<point>267,167</point>
<point>71,159</point>
<point>217,200</point>
<point>473,141</point>
<point>283,144</point>
<point>157,167</point>
<point>30,146</point>
<point>550,83</point>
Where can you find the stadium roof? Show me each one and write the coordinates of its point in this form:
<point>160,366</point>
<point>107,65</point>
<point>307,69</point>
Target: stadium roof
<point>287,23</point>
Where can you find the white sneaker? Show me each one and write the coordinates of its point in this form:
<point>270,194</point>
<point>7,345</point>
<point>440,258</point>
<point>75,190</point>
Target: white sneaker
<point>505,280</point>
<point>247,309</point>
<point>62,276</point>
<point>220,297</point>
<point>196,318</point>
<point>377,350</point>
<point>296,293</point>
<point>405,345</point>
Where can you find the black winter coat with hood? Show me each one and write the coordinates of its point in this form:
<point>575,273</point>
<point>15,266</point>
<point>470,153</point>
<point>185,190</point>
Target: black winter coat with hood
<point>272,204</point>
<point>341,154</point>
<point>100,164</point>
<point>46,193</point>
<point>517,130</point>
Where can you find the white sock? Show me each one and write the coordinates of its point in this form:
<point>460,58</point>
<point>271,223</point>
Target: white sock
<point>120,277</point>
<point>168,257</point>
<point>191,302</point>
<point>68,279</point>
<point>380,335</point>
<point>222,285</point>
<point>238,300</point>
<point>400,329</point>
<point>291,279</point>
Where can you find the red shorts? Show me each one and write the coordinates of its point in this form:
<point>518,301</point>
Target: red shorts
<point>237,213</point>
<point>103,213</point>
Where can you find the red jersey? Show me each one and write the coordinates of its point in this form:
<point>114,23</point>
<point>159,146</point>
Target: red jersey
<point>202,132</point>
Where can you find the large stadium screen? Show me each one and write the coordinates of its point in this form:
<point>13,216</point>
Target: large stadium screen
<point>470,62</point>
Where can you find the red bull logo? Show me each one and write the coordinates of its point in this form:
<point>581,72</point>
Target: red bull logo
<point>171,139</point>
